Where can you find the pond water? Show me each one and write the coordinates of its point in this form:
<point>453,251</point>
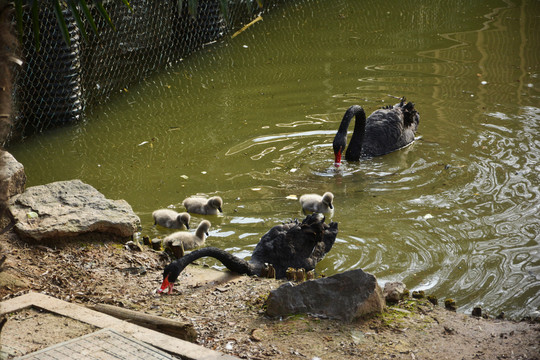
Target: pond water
<point>252,119</point>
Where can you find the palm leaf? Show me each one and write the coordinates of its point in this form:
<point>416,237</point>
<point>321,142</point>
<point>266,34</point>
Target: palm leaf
<point>77,16</point>
<point>35,24</point>
<point>61,22</point>
<point>104,14</point>
<point>224,7</point>
<point>88,16</point>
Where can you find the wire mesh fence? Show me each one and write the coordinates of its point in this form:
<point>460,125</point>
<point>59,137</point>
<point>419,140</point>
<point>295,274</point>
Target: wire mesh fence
<point>58,82</point>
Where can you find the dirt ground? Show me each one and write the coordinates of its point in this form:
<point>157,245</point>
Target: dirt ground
<point>228,313</point>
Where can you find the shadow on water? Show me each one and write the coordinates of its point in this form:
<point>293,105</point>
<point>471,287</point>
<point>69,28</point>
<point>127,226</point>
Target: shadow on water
<point>252,119</point>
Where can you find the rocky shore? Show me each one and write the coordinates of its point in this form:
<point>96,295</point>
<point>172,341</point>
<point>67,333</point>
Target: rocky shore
<point>228,311</point>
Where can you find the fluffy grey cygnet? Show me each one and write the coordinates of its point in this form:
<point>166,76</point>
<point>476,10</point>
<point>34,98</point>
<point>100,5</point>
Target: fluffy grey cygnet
<point>317,203</point>
<point>189,240</point>
<point>171,219</point>
<point>203,206</point>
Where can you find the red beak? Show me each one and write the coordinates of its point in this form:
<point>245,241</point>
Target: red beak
<point>338,158</point>
<point>166,284</point>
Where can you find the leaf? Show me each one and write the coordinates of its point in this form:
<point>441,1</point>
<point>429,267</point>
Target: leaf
<point>88,16</point>
<point>61,22</point>
<point>35,24</point>
<point>260,3</point>
<point>103,12</point>
<point>77,16</point>
<point>224,7</point>
<point>192,7</point>
<point>126,2</point>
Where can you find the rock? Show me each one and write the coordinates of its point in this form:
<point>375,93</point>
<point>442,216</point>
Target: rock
<point>420,294</point>
<point>156,244</point>
<point>133,246</point>
<point>450,304</point>
<point>394,291</point>
<point>433,299</point>
<point>344,296</point>
<point>477,311</point>
<point>70,208</point>
<point>12,176</point>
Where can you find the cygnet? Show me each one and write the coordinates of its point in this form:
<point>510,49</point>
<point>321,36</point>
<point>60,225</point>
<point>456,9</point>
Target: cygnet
<point>171,219</point>
<point>317,203</point>
<point>189,240</point>
<point>203,206</point>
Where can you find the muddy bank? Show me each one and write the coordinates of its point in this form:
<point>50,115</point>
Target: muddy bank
<point>228,312</point>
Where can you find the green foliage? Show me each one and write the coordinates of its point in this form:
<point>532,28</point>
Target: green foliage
<point>79,9</point>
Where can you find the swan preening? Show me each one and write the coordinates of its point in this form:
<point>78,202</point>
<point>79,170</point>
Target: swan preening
<point>385,130</point>
<point>171,219</point>
<point>317,203</point>
<point>189,240</point>
<point>291,245</point>
<point>203,206</point>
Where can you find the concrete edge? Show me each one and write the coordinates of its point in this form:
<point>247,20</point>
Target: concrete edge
<point>183,348</point>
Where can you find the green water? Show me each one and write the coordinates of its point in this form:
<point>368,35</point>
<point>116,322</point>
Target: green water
<point>252,119</point>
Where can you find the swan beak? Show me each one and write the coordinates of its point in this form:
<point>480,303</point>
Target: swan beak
<point>166,284</point>
<point>338,158</point>
<point>219,208</point>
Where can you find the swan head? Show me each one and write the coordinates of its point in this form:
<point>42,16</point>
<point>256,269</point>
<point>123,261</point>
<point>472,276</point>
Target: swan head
<point>170,275</point>
<point>339,144</point>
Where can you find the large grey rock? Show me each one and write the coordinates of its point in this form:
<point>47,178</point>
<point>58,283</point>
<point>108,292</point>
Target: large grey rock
<point>12,176</point>
<point>344,296</point>
<point>70,208</point>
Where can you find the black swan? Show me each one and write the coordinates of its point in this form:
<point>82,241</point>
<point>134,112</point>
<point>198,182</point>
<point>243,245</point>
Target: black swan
<point>291,245</point>
<point>386,130</point>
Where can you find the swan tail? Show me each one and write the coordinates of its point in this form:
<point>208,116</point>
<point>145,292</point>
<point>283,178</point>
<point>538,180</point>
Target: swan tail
<point>410,115</point>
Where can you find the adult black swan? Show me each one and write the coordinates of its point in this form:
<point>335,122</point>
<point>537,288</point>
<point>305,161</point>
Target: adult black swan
<point>291,245</point>
<point>386,130</point>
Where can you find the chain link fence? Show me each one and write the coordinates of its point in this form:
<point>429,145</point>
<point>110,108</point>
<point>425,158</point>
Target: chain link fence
<point>57,83</point>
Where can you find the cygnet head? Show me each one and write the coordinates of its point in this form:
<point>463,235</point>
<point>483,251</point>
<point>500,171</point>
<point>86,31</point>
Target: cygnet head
<point>183,218</point>
<point>327,199</point>
<point>216,202</point>
<point>203,228</point>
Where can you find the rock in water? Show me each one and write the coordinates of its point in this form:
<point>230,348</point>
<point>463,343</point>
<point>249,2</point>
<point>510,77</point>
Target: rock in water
<point>70,208</point>
<point>394,291</point>
<point>344,296</point>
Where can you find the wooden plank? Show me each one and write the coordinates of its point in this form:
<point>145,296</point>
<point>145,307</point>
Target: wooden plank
<point>165,342</point>
<point>181,330</point>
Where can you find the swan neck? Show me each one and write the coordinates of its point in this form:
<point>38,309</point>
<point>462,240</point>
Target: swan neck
<point>232,262</point>
<point>354,149</point>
